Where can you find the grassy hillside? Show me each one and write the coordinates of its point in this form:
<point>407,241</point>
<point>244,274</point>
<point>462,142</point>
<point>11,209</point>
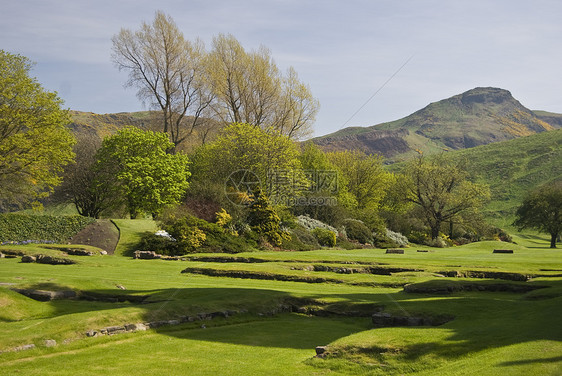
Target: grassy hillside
<point>512,168</point>
<point>89,124</point>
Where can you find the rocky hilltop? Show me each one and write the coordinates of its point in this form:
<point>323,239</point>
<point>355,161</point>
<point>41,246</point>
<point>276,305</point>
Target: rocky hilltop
<point>477,117</point>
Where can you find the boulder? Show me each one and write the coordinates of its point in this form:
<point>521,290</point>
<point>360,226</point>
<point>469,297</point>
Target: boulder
<point>114,329</point>
<point>50,343</point>
<point>24,347</point>
<point>395,251</point>
<point>135,327</point>
<point>321,350</point>
<point>44,259</point>
<point>77,251</point>
<point>28,258</point>
<point>147,255</point>
<point>503,251</point>
<point>91,333</point>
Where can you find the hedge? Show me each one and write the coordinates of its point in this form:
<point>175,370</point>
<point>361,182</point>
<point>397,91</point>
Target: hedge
<point>22,227</point>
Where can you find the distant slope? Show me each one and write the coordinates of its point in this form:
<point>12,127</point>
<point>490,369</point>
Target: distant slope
<point>514,167</point>
<point>477,117</point>
<point>89,124</point>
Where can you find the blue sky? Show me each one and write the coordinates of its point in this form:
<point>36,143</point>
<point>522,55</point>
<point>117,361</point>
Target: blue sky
<point>344,50</point>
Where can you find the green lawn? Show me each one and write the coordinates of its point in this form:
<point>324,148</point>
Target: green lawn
<point>492,333</point>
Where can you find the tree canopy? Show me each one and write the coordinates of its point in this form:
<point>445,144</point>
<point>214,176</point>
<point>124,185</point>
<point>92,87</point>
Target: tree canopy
<point>35,145</point>
<point>269,155</point>
<point>364,177</point>
<point>542,210</point>
<point>146,176</point>
<point>441,190</point>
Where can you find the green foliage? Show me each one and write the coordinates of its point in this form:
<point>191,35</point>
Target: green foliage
<point>193,234</point>
<point>512,169</point>
<point>325,237</point>
<point>356,230</point>
<point>364,178</point>
<point>326,183</point>
<point>149,241</point>
<point>440,189</point>
<point>146,176</point>
<point>263,153</point>
<point>264,219</point>
<point>542,210</point>
<point>223,218</point>
<point>34,143</point>
<point>300,239</point>
<point>21,227</point>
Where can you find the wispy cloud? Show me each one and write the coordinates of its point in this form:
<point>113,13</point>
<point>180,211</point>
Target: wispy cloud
<point>343,50</point>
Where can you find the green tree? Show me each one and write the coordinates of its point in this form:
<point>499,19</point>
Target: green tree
<point>542,210</point>
<point>35,145</point>
<point>267,154</point>
<point>327,194</point>
<point>363,175</point>
<point>146,176</point>
<point>88,186</point>
<point>264,219</point>
<point>441,191</point>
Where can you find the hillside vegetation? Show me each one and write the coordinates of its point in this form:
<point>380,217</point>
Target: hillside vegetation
<point>477,117</point>
<point>512,168</point>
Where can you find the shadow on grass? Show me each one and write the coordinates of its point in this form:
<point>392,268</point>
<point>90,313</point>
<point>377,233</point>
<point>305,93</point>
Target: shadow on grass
<point>531,361</point>
<point>483,320</point>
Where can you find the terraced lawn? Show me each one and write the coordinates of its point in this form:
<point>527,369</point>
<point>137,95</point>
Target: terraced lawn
<point>265,312</point>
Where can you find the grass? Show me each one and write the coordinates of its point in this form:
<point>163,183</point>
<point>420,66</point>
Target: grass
<point>492,332</point>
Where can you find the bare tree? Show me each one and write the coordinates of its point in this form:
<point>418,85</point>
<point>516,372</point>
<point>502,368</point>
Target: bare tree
<point>250,89</point>
<point>168,71</point>
<point>297,107</point>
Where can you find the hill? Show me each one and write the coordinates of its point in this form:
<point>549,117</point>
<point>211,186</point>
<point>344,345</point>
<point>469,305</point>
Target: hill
<point>511,169</point>
<point>477,117</point>
<point>89,124</point>
<point>514,167</point>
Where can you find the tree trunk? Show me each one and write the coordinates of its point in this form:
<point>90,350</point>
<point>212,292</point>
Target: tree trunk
<point>553,237</point>
<point>435,230</point>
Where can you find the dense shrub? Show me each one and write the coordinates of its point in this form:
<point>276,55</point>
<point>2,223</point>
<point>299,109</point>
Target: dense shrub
<point>325,237</point>
<point>20,227</point>
<point>193,234</point>
<point>346,244</point>
<point>311,223</point>
<point>300,240</point>
<point>293,243</point>
<point>382,240</point>
<point>264,220</point>
<point>357,231</point>
<point>418,237</point>
<point>496,233</point>
<point>397,238</point>
<point>159,244</point>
